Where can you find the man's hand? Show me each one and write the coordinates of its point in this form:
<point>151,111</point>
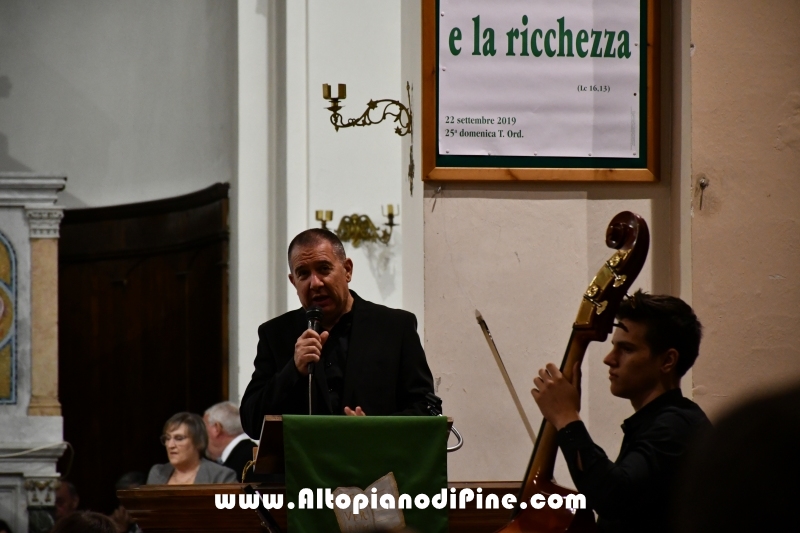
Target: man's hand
<point>308,349</point>
<point>558,399</point>
<point>357,412</point>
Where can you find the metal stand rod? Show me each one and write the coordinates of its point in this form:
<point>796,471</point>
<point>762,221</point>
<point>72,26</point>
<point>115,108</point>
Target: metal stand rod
<point>460,442</point>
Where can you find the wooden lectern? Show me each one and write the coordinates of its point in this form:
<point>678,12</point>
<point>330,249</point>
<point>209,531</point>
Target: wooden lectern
<point>191,508</point>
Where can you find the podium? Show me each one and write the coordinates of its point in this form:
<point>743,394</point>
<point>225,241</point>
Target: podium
<point>270,456</point>
<point>185,508</point>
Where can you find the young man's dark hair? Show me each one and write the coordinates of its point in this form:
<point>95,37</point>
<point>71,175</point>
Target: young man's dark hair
<point>671,323</point>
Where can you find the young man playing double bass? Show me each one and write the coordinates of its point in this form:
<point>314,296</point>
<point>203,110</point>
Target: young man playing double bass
<point>655,342</point>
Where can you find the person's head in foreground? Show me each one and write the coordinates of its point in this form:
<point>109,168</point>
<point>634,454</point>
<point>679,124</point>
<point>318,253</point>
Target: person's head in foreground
<point>67,499</point>
<point>131,480</point>
<point>85,522</point>
<point>656,340</point>
<point>185,440</point>
<point>320,272</point>
<point>4,527</point>
<point>743,476</point>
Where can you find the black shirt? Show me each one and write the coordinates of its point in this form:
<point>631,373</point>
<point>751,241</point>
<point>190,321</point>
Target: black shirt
<point>334,360</point>
<point>632,494</point>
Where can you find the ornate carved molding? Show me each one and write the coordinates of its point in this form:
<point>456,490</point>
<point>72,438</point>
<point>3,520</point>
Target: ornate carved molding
<point>44,221</point>
<point>42,491</point>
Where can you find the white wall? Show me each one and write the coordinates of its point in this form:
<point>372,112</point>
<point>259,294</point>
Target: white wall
<point>357,170</point>
<point>133,101</point>
<point>746,238</point>
<point>251,216</point>
<point>412,187</point>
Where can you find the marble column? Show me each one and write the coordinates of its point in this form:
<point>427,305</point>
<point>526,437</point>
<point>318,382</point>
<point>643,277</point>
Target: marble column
<point>31,427</point>
<point>43,223</point>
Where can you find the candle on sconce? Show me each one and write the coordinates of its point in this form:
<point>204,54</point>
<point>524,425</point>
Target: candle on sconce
<point>324,217</point>
<point>390,212</point>
<point>342,91</point>
<point>326,91</point>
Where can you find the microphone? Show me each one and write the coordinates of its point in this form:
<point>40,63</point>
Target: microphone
<point>314,318</point>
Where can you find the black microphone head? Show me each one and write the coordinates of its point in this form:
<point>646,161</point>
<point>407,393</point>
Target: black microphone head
<point>314,313</point>
<point>314,318</point>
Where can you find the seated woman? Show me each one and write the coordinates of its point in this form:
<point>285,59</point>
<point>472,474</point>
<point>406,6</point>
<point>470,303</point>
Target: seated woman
<point>186,439</point>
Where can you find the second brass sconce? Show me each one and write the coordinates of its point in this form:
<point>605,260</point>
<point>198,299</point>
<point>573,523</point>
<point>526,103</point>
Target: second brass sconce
<point>357,229</point>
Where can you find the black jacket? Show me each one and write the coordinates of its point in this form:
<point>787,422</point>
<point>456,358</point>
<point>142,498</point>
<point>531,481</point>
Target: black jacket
<point>239,456</point>
<point>386,371</point>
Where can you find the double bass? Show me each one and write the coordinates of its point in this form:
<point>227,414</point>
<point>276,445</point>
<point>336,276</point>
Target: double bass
<point>627,233</point>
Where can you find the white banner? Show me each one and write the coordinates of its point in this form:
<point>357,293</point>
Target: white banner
<point>546,78</point>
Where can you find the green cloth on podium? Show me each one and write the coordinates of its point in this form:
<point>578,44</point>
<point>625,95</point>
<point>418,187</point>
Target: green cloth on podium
<point>354,451</point>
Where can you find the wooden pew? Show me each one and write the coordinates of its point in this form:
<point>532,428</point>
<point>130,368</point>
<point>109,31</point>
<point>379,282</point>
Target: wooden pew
<point>191,508</point>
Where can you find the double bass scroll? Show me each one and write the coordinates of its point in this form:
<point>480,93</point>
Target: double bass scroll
<point>628,235</point>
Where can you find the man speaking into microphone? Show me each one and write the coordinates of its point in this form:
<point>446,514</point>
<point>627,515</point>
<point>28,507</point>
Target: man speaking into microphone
<point>366,359</point>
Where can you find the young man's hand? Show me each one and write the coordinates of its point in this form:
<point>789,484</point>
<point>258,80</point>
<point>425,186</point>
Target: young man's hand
<point>558,399</point>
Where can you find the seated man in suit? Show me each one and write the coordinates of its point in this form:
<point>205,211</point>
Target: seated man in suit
<point>227,442</point>
<point>369,359</point>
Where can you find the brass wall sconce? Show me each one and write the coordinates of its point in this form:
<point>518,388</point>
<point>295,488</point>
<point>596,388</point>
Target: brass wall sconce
<point>402,116</point>
<point>360,228</point>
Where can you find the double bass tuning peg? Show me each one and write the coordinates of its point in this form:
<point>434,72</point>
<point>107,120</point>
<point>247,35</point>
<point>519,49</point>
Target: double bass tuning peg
<point>616,235</point>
